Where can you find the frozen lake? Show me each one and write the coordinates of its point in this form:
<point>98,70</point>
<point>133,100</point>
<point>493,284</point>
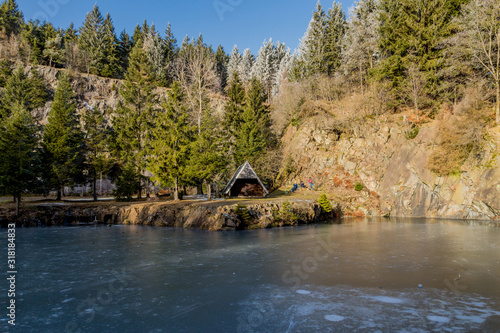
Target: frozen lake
<point>368,275</point>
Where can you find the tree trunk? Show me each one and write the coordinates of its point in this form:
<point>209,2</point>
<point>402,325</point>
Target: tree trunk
<point>59,194</point>
<point>498,104</point>
<point>94,188</point>
<point>139,194</point>
<point>176,189</point>
<point>209,191</point>
<point>18,204</point>
<point>199,189</point>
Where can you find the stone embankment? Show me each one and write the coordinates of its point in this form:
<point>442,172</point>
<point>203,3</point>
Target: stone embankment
<point>214,215</point>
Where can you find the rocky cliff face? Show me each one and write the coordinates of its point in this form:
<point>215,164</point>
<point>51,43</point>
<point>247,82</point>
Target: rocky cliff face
<point>95,91</point>
<point>393,170</point>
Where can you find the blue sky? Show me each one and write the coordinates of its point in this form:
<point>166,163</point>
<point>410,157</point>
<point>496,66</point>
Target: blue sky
<point>227,22</point>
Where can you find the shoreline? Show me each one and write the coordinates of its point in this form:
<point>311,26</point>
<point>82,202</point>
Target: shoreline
<point>200,214</point>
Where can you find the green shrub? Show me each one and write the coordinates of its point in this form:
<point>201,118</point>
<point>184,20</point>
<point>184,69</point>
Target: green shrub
<point>326,206</point>
<point>412,133</point>
<point>358,187</point>
<point>127,184</point>
<point>242,212</point>
<point>285,213</point>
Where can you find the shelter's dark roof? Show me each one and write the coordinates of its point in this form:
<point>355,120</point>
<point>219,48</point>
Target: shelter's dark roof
<point>245,171</point>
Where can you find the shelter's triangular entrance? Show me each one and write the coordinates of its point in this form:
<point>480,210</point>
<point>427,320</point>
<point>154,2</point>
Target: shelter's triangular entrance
<point>245,183</point>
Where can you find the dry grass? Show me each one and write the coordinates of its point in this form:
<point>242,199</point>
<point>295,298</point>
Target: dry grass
<point>461,133</point>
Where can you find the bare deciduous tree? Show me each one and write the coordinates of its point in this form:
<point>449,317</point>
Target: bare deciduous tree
<point>478,41</point>
<point>195,69</point>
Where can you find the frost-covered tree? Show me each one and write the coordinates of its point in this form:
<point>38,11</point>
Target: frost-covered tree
<point>282,73</point>
<point>154,50</point>
<point>267,64</point>
<point>54,50</point>
<point>361,51</point>
<point>234,63</point>
<point>247,63</point>
<point>313,46</point>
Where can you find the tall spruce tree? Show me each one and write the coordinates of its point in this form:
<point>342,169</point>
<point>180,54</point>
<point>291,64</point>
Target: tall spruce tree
<point>361,52</point>
<point>171,50</point>
<point>171,140</point>
<point>111,59</point>
<point>124,47</point>
<point>92,40</point>
<point>96,144</point>
<point>222,61</point>
<point>336,25</point>
<point>11,18</point>
<point>63,144</point>
<point>207,158</point>
<point>135,114</point>
<point>29,91</point>
<point>312,47</point>
<point>253,131</point>
<point>20,164</point>
<point>411,33</point>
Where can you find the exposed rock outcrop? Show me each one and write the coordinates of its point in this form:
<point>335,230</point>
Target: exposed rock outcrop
<point>393,170</point>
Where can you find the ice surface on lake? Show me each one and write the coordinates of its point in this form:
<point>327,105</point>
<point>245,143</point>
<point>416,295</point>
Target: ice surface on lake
<point>144,279</point>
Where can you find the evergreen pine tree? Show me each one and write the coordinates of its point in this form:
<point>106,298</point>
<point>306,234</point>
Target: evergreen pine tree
<point>96,132</point>
<point>246,66</point>
<point>252,135</point>
<point>11,18</point>
<point>136,113</point>
<point>71,34</point>
<point>111,59</point>
<point>19,165</point>
<point>336,25</point>
<point>171,140</point>
<point>63,144</point>
<point>234,107</point>
<point>92,40</point>
<point>30,93</point>
<point>171,50</point>
<point>207,153</point>
<point>5,72</point>
<point>124,47</point>
<point>222,61</point>
<point>313,45</point>
<point>403,48</point>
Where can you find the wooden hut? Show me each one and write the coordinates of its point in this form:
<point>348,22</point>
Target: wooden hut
<point>245,183</point>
